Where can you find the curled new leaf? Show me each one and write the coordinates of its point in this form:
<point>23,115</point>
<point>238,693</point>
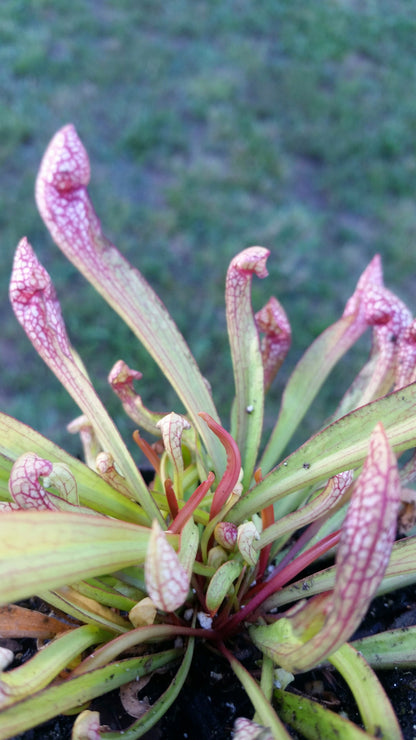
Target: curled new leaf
<point>172,427</point>
<point>28,492</point>
<point>232,472</point>
<point>89,440</point>
<point>221,583</point>
<point>121,378</point>
<point>106,467</point>
<point>189,546</point>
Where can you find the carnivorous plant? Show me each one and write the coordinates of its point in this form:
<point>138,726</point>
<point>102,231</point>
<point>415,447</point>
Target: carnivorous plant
<point>215,547</point>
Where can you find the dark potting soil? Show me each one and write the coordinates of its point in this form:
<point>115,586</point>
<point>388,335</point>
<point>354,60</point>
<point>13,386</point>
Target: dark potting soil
<point>212,699</point>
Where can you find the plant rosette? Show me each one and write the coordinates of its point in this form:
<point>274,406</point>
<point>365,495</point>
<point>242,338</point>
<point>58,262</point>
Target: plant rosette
<point>134,573</point>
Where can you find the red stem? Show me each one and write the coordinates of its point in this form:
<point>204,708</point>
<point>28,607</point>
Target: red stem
<point>300,543</point>
<point>171,498</point>
<point>194,500</point>
<point>232,471</point>
<point>267,519</point>
<point>280,580</point>
<point>147,450</point>
<point>165,632</point>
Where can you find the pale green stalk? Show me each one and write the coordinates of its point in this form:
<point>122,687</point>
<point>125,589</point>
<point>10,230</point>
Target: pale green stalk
<point>160,706</point>
<point>264,709</point>
<point>372,701</point>
<point>76,692</point>
<point>340,446</point>
<point>314,721</point>
<point>248,406</point>
<point>39,671</point>
<point>390,649</point>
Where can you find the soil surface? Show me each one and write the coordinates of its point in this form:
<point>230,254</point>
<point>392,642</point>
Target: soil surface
<point>212,699</point>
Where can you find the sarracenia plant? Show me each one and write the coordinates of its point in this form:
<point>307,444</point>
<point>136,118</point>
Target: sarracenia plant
<point>213,546</point>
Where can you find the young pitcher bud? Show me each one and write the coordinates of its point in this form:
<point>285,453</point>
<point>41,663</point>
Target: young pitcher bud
<point>87,726</point>
<point>167,581</point>
<point>247,535</point>
<point>217,556</point>
<point>143,613</point>
<point>221,583</point>
<point>245,729</point>
<point>225,534</point>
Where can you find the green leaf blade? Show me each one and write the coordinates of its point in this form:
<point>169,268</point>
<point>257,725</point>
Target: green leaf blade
<point>328,453</point>
<point>247,415</point>
<point>76,692</point>
<point>313,720</point>
<point>17,438</point>
<point>42,550</point>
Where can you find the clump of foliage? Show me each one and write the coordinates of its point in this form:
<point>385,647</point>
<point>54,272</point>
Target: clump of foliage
<point>213,546</point>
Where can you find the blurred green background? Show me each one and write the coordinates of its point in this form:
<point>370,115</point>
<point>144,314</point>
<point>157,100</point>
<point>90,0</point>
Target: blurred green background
<point>211,126</point>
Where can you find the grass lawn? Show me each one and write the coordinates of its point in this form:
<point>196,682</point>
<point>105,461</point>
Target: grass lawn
<point>211,126</point>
